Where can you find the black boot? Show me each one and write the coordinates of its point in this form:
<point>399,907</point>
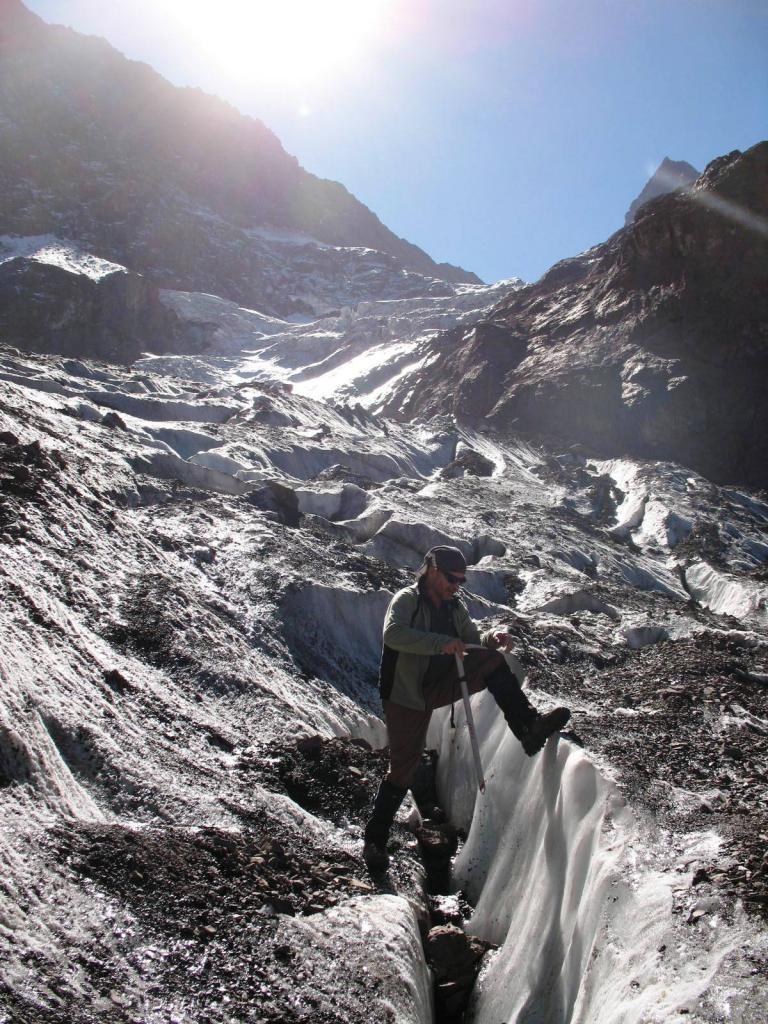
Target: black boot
<point>388,799</point>
<point>513,703</point>
<point>542,727</point>
<point>532,729</point>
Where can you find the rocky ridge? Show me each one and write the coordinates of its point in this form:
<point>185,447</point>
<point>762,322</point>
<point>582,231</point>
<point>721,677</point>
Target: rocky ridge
<point>669,176</point>
<point>171,183</point>
<point>652,343</point>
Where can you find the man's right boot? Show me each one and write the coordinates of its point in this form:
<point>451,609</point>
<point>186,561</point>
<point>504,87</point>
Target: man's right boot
<point>518,711</point>
<point>542,727</point>
<point>526,723</point>
<point>385,806</point>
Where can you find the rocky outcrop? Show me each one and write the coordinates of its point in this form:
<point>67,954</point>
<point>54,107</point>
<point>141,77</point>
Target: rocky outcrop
<point>46,308</point>
<point>653,343</point>
<point>170,182</point>
<point>668,177</point>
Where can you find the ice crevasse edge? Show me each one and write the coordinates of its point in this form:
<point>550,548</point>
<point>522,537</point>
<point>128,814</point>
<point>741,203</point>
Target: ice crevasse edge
<point>572,887</point>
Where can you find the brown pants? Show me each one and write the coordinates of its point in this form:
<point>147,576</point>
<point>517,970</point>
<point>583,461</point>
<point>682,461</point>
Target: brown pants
<point>407,729</point>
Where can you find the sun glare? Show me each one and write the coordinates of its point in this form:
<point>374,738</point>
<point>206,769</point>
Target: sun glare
<point>280,42</point>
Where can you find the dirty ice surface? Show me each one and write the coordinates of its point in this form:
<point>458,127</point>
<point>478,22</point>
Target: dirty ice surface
<point>195,568</point>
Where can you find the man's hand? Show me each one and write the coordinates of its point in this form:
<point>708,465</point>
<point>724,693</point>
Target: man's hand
<point>503,640</point>
<point>455,646</point>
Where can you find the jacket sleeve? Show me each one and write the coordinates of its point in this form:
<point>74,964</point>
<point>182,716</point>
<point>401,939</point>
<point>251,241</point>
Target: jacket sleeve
<point>401,636</point>
<point>468,631</point>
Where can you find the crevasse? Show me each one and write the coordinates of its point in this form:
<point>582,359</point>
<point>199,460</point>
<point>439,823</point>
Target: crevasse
<point>562,880</point>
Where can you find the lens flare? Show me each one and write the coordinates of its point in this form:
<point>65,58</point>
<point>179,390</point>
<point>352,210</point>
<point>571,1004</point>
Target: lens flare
<point>293,42</point>
<point>719,204</point>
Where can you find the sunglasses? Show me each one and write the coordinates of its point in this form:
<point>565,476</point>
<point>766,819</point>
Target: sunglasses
<point>457,581</point>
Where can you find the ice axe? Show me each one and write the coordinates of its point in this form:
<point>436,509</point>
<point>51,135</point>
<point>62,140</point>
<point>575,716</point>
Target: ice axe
<point>470,724</point>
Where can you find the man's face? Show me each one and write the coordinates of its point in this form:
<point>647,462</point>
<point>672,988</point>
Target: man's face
<point>444,584</point>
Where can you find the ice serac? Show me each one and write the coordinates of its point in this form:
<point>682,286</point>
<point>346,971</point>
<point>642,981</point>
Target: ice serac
<point>645,344</point>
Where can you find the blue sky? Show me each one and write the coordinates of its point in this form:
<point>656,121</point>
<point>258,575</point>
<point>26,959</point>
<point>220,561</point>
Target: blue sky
<point>498,136</point>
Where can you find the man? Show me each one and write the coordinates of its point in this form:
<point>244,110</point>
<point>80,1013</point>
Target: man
<point>426,625</point>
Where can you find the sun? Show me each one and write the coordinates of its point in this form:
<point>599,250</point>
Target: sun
<point>280,42</point>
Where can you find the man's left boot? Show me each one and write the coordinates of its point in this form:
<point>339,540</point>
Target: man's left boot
<point>385,806</point>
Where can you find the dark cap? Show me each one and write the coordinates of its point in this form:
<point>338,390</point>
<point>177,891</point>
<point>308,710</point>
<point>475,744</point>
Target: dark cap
<point>446,558</point>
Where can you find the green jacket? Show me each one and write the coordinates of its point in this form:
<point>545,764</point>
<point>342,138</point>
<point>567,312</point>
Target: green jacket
<point>409,644</point>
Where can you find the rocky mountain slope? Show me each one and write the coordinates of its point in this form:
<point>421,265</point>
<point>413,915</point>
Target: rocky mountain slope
<point>171,183</point>
<point>652,343</point>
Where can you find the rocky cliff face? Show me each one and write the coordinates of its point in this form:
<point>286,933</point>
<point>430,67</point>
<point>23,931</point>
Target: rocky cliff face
<point>170,182</point>
<point>653,343</point>
<point>46,308</point>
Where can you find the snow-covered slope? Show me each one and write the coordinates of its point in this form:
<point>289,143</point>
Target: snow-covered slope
<point>48,249</point>
<point>357,354</point>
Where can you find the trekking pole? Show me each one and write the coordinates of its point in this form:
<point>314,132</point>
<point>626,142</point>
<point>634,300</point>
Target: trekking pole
<point>470,724</point>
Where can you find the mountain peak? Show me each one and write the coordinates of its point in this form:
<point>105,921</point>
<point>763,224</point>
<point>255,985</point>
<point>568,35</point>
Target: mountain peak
<point>668,177</point>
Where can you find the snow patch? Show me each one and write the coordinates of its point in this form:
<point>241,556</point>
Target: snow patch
<point>57,252</point>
